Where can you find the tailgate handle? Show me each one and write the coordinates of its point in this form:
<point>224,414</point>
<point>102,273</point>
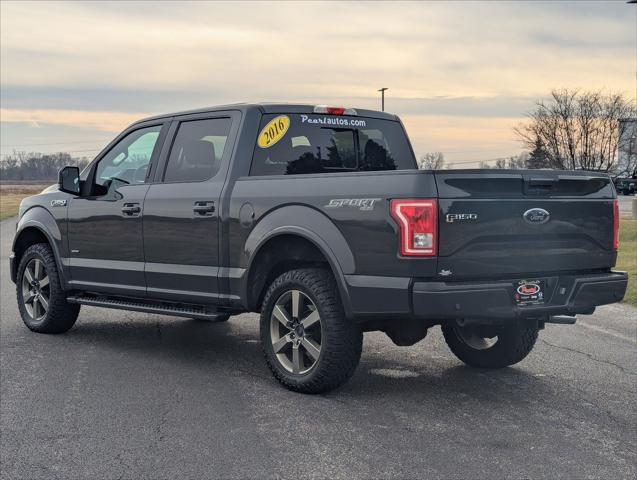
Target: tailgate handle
<point>539,186</point>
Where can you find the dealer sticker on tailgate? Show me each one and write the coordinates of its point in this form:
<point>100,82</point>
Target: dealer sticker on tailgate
<point>529,292</point>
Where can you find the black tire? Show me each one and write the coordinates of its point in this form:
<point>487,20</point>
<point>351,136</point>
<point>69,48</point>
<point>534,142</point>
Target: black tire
<point>341,340</point>
<point>59,315</point>
<point>514,342</point>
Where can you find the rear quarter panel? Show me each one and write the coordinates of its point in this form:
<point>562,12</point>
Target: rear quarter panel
<point>367,227</point>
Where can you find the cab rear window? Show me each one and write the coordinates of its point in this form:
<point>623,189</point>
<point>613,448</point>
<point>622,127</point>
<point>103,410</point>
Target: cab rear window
<point>306,144</point>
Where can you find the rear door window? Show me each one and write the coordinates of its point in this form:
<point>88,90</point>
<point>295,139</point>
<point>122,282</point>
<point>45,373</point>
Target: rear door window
<point>307,144</point>
<point>197,150</point>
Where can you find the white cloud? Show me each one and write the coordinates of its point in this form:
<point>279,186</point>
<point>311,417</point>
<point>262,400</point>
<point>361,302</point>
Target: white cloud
<point>292,49</point>
<point>102,121</point>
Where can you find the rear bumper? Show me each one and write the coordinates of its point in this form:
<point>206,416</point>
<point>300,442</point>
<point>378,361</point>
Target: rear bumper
<point>431,300</point>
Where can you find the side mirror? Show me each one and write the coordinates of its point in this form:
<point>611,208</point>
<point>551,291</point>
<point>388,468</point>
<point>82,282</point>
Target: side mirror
<point>69,180</point>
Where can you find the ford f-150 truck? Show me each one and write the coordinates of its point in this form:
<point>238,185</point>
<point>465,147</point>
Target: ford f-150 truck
<point>317,218</point>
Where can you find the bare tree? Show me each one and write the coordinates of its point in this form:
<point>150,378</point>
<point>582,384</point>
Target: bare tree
<point>512,163</point>
<point>578,130</point>
<point>627,157</point>
<point>518,162</point>
<point>484,165</point>
<point>431,161</point>
<point>500,163</point>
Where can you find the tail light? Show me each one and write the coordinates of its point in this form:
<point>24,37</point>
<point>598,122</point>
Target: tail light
<point>418,222</point>
<point>616,224</point>
<point>334,110</point>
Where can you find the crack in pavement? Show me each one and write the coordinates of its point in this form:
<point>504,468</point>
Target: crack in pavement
<point>590,356</point>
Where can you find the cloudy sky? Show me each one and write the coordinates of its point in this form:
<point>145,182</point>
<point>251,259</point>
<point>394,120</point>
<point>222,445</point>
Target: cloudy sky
<point>460,74</point>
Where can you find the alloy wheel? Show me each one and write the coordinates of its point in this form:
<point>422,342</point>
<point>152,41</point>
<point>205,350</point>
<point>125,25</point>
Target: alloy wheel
<point>295,332</point>
<point>36,289</point>
<point>473,340</point>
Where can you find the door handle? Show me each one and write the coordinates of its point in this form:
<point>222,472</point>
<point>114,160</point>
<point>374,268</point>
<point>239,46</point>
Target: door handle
<point>204,208</point>
<point>131,209</point>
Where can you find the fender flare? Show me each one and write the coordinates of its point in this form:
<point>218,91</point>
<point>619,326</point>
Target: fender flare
<point>42,220</point>
<point>304,222</point>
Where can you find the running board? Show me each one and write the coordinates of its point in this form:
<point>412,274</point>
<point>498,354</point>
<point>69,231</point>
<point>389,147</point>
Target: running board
<point>163,308</point>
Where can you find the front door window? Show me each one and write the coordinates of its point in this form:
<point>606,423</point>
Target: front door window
<point>127,162</point>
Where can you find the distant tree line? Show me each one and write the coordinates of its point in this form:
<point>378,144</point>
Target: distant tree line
<point>431,161</point>
<point>518,162</point>
<point>436,161</point>
<point>36,166</point>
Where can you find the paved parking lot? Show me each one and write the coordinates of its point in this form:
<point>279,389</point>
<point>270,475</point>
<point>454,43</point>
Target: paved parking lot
<point>128,395</point>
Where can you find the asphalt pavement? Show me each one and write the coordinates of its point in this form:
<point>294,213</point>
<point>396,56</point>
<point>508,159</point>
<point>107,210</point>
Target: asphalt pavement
<point>131,395</point>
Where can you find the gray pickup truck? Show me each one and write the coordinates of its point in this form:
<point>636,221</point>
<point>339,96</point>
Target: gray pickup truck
<point>318,218</point>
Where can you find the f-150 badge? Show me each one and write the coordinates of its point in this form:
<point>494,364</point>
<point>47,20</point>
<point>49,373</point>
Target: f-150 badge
<point>364,204</point>
<point>457,217</point>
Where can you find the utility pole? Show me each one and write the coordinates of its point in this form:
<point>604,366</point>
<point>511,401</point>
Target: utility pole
<point>382,97</point>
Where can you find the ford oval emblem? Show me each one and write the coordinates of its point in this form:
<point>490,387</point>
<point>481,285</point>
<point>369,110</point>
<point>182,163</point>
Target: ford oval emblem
<point>536,216</point>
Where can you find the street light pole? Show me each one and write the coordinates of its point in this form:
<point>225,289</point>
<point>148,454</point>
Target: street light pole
<point>382,97</point>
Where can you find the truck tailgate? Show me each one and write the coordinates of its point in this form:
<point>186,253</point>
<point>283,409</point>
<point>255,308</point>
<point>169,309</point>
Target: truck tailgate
<point>494,223</point>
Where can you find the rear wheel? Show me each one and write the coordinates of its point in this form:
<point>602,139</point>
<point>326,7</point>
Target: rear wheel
<point>41,300</point>
<point>490,347</point>
<point>308,343</point>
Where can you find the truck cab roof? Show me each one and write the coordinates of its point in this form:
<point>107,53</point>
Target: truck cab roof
<point>267,108</point>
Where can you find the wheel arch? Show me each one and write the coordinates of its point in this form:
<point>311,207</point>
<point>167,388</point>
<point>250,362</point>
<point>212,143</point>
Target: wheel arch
<point>289,238</point>
<point>37,225</point>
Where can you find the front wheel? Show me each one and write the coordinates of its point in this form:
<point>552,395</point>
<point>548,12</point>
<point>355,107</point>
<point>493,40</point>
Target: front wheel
<point>308,343</point>
<point>41,299</point>
<point>491,347</point>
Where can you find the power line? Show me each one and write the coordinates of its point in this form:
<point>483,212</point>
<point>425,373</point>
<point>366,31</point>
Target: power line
<point>472,150</point>
<point>477,161</point>
<point>47,144</point>
<point>451,162</point>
